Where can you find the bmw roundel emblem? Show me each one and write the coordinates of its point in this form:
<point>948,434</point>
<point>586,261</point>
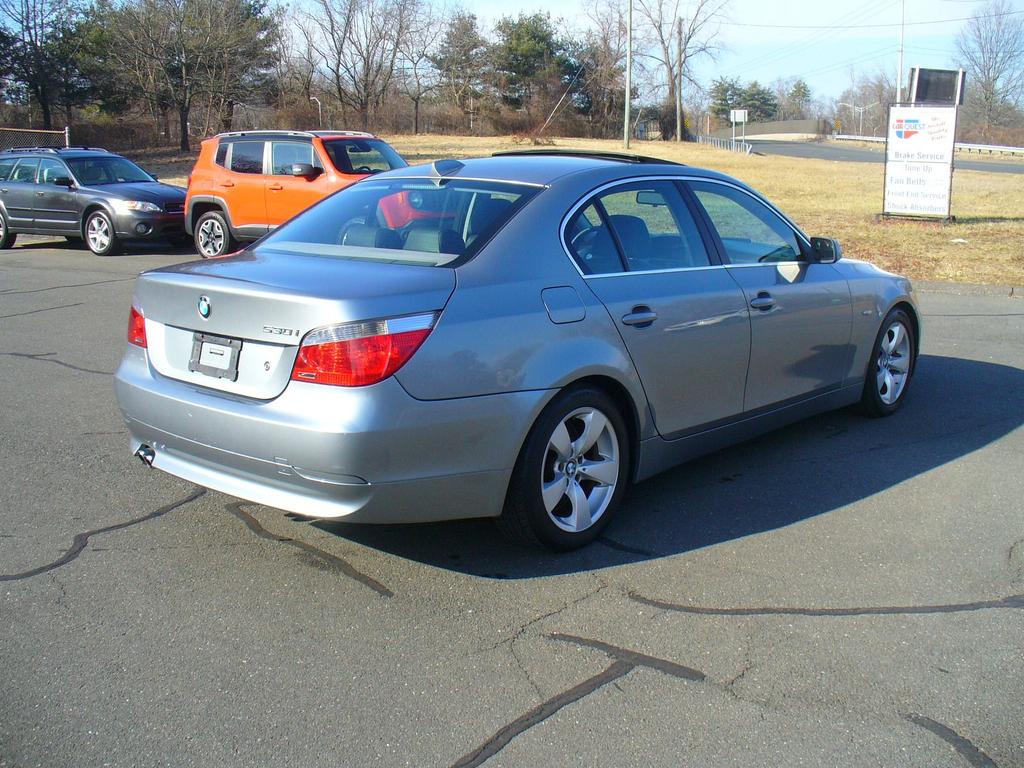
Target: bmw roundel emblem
<point>204,307</point>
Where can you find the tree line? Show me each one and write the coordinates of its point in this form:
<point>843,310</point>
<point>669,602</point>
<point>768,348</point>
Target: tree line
<point>177,69</point>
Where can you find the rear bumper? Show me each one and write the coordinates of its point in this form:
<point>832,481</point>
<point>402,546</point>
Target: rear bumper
<point>369,454</point>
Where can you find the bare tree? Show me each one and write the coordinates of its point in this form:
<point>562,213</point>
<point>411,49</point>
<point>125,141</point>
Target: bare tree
<point>358,41</point>
<point>679,33</point>
<point>991,46</point>
<point>418,75</point>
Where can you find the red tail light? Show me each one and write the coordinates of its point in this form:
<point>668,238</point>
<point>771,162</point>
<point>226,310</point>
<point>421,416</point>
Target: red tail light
<point>136,328</point>
<point>358,354</point>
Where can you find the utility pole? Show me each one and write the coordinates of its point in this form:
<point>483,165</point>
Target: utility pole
<point>319,111</point>
<point>679,80</point>
<point>899,65</point>
<point>626,128</point>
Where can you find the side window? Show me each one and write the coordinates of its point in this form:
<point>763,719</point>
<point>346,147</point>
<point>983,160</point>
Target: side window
<point>750,231</point>
<point>285,153</point>
<point>25,170</point>
<point>221,157</point>
<point>50,170</point>
<point>591,244</point>
<point>6,166</point>
<point>654,227</point>
<point>247,157</point>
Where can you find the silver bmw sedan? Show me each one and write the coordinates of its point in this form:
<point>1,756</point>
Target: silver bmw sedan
<point>517,337</point>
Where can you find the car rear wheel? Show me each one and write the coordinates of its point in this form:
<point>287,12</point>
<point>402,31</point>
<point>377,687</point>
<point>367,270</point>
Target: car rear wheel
<point>100,235</point>
<point>571,473</point>
<point>891,366</point>
<point>212,235</point>
<point>7,237</point>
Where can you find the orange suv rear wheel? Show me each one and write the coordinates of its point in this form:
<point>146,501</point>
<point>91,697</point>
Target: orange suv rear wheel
<point>213,236</point>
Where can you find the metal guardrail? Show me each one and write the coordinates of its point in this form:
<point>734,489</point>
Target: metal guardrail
<point>992,149</point>
<point>730,144</point>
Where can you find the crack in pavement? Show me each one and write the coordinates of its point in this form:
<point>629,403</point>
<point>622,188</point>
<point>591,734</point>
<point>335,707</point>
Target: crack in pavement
<point>44,309</point>
<point>963,746</point>
<point>619,546</point>
<point>624,662</point>
<point>1011,601</point>
<point>332,560</point>
<point>47,357</point>
<point>79,542</point>
<point>13,292</point>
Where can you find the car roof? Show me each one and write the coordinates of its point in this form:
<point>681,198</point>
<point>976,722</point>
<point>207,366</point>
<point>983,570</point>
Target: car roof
<point>543,167</point>
<point>64,152</point>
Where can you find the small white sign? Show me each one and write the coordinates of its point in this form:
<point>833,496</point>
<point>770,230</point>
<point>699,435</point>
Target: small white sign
<point>919,161</point>
<point>738,115</point>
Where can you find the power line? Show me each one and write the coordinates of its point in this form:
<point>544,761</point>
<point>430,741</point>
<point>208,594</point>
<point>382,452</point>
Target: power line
<point>869,26</point>
<point>814,39</point>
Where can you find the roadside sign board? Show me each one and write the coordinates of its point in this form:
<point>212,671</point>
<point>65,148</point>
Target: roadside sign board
<point>919,161</point>
<point>738,115</point>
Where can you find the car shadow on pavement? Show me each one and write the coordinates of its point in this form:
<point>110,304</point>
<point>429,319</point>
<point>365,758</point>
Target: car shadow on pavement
<point>812,468</point>
<point>130,248</point>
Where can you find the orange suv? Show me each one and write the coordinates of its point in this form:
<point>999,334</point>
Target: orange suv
<point>246,183</point>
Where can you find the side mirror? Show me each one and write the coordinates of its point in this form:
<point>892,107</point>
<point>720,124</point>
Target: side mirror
<point>307,170</point>
<point>825,250</point>
<point>63,181</point>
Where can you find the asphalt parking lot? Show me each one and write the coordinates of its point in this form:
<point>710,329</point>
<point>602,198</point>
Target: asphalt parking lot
<point>843,592</point>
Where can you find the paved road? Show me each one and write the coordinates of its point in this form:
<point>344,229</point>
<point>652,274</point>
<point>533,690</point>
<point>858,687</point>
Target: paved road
<point>842,592</point>
<point>854,154</point>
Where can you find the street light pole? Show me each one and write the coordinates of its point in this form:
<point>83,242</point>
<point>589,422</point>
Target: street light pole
<point>319,111</point>
<point>899,65</point>
<point>679,80</point>
<point>629,72</point>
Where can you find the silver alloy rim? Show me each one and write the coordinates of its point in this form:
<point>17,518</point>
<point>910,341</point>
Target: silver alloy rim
<point>211,237</point>
<point>893,364</point>
<point>581,470</point>
<point>98,232</point>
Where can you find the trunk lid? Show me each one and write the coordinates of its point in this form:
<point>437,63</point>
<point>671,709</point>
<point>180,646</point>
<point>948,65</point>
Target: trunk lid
<point>268,302</point>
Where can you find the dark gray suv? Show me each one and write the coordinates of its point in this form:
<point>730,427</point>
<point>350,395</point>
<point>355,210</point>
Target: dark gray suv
<point>85,193</point>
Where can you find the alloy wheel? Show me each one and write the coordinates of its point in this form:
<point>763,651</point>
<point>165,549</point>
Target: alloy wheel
<point>893,363</point>
<point>211,238</point>
<point>581,470</point>
<point>98,232</point>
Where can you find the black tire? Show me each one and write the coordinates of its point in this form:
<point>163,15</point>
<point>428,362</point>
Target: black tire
<point>7,237</point>
<point>525,517</point>
<point>213,235</point>
<point>875,400</point>
<point>100,236</point>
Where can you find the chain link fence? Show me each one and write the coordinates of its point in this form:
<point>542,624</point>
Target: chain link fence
<point>22,137</point>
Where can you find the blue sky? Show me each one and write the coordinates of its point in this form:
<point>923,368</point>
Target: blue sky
<point>765,40</point>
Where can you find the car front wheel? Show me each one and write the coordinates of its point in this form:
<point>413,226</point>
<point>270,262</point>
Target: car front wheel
<point>212,236</point>
<point>571,473</point>
<point>100,235</point>
<point>891,366</point>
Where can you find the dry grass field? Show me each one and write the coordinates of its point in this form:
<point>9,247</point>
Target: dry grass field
<point>841,200</point>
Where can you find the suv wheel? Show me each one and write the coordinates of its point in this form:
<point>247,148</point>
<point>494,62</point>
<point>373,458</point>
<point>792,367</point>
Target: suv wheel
<point>213,237</point>
<point>7,237</point>
<point>100,235</point>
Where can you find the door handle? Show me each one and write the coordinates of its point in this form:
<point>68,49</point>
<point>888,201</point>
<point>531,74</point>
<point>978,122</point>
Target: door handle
<point>227,183</point>
<point>640,317</point>
<point>4,191</point>
<point>40,194</point>
<point>275,187</point>
<point>763,302</point>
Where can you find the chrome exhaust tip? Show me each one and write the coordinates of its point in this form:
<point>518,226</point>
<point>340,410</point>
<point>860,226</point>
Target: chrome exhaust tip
<point>146,455</point>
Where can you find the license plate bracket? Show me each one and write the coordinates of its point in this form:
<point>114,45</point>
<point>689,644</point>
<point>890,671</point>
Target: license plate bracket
<point>215,356</point>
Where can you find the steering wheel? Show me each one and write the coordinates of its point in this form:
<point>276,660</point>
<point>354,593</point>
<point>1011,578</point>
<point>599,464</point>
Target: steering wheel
<point>364,169</point>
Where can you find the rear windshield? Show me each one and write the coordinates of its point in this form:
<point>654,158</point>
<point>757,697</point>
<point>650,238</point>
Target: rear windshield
<point>409,221</point>
<point>92,171</point>
<point>363,155</point>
